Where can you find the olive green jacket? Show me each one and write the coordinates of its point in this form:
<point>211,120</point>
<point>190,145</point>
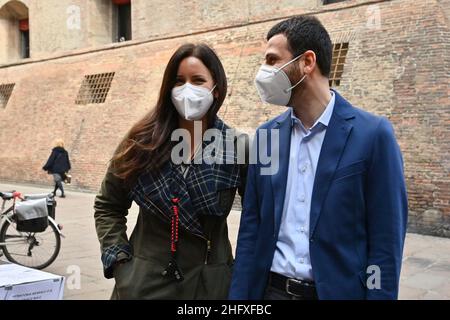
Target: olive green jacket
<point>206,262</point>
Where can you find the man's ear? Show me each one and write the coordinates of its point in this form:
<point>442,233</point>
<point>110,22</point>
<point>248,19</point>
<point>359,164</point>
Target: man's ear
<point>309,61</point>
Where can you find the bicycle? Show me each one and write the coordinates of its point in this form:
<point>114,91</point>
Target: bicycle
<point>30,249</point>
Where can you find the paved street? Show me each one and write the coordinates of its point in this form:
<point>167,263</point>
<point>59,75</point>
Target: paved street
<point>425,273</point>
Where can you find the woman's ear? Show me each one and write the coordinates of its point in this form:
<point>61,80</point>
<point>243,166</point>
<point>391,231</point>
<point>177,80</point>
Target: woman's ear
<point>216,93</point>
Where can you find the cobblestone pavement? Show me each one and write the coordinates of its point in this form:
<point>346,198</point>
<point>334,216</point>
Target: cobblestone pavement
<point>425,272</point>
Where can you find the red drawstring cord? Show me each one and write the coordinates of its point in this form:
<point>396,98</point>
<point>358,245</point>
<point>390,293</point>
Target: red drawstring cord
<point>175,219</point>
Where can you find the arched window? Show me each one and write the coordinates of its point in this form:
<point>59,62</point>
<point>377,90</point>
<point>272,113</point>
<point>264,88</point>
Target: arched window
<point>14,28</point>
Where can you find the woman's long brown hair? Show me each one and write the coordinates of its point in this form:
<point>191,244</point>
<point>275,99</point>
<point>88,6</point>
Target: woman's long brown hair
<point>147,145</point>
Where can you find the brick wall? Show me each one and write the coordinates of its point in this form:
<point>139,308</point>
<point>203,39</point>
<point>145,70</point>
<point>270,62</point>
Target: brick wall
<point>398,67</point>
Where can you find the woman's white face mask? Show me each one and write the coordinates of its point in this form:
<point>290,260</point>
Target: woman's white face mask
<point>274,85</point>
<point>192,102</point>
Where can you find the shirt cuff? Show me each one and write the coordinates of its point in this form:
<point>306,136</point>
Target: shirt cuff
<point>109,257</point>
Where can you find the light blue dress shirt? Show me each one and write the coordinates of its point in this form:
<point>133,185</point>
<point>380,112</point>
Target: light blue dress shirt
<point>291,257</point>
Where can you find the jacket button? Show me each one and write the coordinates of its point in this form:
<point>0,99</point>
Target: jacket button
<point>311,240</point>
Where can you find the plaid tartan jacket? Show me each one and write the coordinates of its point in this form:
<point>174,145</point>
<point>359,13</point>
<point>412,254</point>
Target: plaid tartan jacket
<point>197,191</point>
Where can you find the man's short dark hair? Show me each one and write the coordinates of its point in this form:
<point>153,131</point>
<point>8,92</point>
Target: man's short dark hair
<point>306,33</point>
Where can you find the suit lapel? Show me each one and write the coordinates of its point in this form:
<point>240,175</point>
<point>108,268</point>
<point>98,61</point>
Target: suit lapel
<point>279,180</point>
<point>333,145</point>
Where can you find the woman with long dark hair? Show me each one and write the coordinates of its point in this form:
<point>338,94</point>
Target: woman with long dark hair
<point>179,248</point>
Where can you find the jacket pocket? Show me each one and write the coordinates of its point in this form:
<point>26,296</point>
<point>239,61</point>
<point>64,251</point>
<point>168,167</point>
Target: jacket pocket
<point>141,278</point>
<point>122,276</point>
<point>352,169</point>
<point>216,282</point>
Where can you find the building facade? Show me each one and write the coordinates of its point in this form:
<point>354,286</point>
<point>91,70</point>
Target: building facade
<point>86,70</point>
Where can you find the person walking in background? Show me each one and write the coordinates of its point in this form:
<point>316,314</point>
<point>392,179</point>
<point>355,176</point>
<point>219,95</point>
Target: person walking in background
<point>58,164</point>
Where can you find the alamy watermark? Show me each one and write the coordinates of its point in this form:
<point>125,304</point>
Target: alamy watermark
<point>224,150</point>
<point>73,281</point>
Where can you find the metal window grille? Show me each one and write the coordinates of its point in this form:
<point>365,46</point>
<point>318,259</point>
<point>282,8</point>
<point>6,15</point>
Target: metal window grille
<point>337,64</point>
<point>95,88</point>
<point>5,93</point>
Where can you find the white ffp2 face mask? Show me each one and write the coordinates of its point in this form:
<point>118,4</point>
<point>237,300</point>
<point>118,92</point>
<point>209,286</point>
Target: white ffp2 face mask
<point>274,85</point>
<point>192,102</point>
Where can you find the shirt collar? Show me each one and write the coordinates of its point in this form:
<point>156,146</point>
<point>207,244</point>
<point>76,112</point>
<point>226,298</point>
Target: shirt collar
<point>324,118</point>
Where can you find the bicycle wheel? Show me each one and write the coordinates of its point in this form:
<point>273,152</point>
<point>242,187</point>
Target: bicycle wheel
<point>29,249</point>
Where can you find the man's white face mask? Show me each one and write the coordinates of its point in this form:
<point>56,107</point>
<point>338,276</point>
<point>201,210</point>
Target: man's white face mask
<point>274,85</point>
<point>192,102</point>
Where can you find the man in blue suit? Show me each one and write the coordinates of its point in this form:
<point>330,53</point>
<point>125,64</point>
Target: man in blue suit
<point>330,223</point>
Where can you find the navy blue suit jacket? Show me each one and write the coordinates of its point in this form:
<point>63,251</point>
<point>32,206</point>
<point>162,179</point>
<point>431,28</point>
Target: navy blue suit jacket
<point>358,210</point>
